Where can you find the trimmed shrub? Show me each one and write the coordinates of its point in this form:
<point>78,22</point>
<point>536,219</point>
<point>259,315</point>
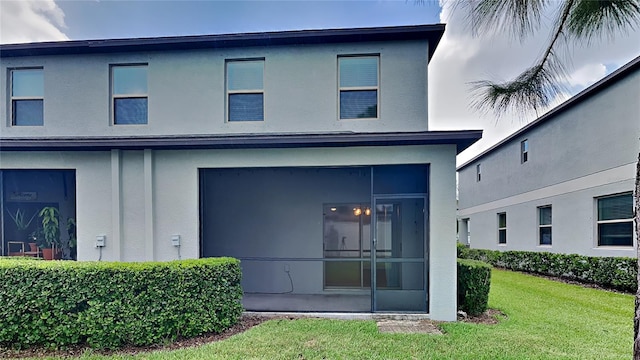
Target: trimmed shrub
<point>462,250</point>
<point>474,282</point>
<point>609,272</point>
<point>111,304</point>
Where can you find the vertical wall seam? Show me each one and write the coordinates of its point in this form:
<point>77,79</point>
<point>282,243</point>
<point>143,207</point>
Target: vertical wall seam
<point>116,204</point>
<point>148,205</point>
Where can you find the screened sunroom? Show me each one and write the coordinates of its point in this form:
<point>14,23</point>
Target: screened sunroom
<point>31,199</point>
<point>348,239</point>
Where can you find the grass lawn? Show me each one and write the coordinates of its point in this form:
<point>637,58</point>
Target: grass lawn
<point>546,320</point>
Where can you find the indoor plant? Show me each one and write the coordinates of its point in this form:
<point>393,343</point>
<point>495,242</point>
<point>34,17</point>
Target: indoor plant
<point>51,230</point>
<point>21,222</point>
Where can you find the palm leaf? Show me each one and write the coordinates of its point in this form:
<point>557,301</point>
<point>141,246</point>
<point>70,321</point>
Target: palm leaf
<point>595,18</point>
<point>536,87</point>
<point>521,17</point>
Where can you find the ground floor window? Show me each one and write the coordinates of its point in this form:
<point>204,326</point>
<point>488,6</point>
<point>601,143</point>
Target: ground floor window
<point>32,202</point>
<point>615,220</point>
<point>347,250</point>
<point>464,231</point>
<point>502,228</point>
<point>544,225</point>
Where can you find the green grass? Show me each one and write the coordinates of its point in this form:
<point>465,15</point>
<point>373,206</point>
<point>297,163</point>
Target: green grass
<point>546,320</point>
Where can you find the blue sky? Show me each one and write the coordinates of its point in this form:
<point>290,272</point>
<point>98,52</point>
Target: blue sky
<point>460,59</point>
<point>169,18</point>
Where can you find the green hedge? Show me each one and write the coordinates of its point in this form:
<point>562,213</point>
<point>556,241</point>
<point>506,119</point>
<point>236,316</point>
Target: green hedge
<point>474,281</point>
<point>609,272</point>
<point>110,304</point>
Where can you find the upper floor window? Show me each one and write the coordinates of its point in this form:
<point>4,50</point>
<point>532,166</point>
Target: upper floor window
<point>544,225</point>
<point>502,228</point>
<point>27,97</point>
<point>615,220</point>
<point>245,90</point>
<point>524,151</point>
<point>478,173</point>
<point>358,86</point>
<point>129,99</point>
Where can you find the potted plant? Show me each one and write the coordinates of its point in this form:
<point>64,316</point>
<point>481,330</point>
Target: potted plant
<point>51,231</point>
<point>36,240</point>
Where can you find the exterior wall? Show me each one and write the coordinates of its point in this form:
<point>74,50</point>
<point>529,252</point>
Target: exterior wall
<point>574,215</point>
<point>585,152</point>
<point>138,199</point>
<point>186,91</point>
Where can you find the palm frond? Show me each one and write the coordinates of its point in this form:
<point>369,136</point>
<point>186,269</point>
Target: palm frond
<point>519,17</point>
<point>590,19</point>
<point>534,89</point>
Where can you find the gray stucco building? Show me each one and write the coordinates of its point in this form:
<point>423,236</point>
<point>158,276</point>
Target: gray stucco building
<point>563,183</point>
<point>305,154</point>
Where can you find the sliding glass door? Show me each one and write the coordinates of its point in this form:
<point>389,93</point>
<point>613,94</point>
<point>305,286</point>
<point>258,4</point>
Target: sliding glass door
<point>347,246</point>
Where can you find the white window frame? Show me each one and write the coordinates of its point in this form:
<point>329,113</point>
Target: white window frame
<point>360,88</point>
<point>524,151</point>
<point>243,91</point>
<point>502,228</point>
<point>478,173</point>
<point>12,98</point>
<point>127,96</point>
<point>540,225</point>
<point>598,222</point>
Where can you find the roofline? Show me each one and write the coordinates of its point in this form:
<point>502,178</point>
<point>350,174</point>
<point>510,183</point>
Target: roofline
<point>575,100</point>
<point>462,140</point>
<point>433,33</point>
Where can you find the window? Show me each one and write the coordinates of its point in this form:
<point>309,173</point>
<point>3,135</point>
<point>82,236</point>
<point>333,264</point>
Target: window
<point>245,90</point>
<point>544,225</point>
<point>347,231</point>
<point>27,97</point>
<point>524,151</point>
<point>502,228</point>
<point>129,94</point>
<point>615,220</point>
<point>478,173</point>
<point>358,86</point>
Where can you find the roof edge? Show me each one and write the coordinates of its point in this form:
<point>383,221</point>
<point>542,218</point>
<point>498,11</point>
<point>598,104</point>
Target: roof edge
<point>431,32</point>
<point>575,100</point>
<point>462,139</point>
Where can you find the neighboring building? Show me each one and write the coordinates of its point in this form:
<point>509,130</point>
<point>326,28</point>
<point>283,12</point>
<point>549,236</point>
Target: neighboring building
<point>563,183</point>
<point>306,154</point>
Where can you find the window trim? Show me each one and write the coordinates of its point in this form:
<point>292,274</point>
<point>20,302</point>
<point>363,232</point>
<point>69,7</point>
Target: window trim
<point>541,226</point>
<point>524,151</point>
<point>113,96</point>
<point>12,118</point>
<point>616,221</point>
<point>360,88</point>
<point>229,92</point>
<point>502,228</point>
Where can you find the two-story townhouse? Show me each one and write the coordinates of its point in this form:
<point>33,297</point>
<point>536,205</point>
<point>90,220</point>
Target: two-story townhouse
<point>305,154</point>
<point>563,183</point>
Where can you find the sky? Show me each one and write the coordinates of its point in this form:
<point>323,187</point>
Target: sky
<point>461,57</point>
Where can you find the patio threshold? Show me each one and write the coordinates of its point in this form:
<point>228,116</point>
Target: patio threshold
<point>342,315</point>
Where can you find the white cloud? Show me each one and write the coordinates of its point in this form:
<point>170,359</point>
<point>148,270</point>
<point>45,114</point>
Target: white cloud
<point>462,58</point>
<point>587,75</point>
<point>31,21</point>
